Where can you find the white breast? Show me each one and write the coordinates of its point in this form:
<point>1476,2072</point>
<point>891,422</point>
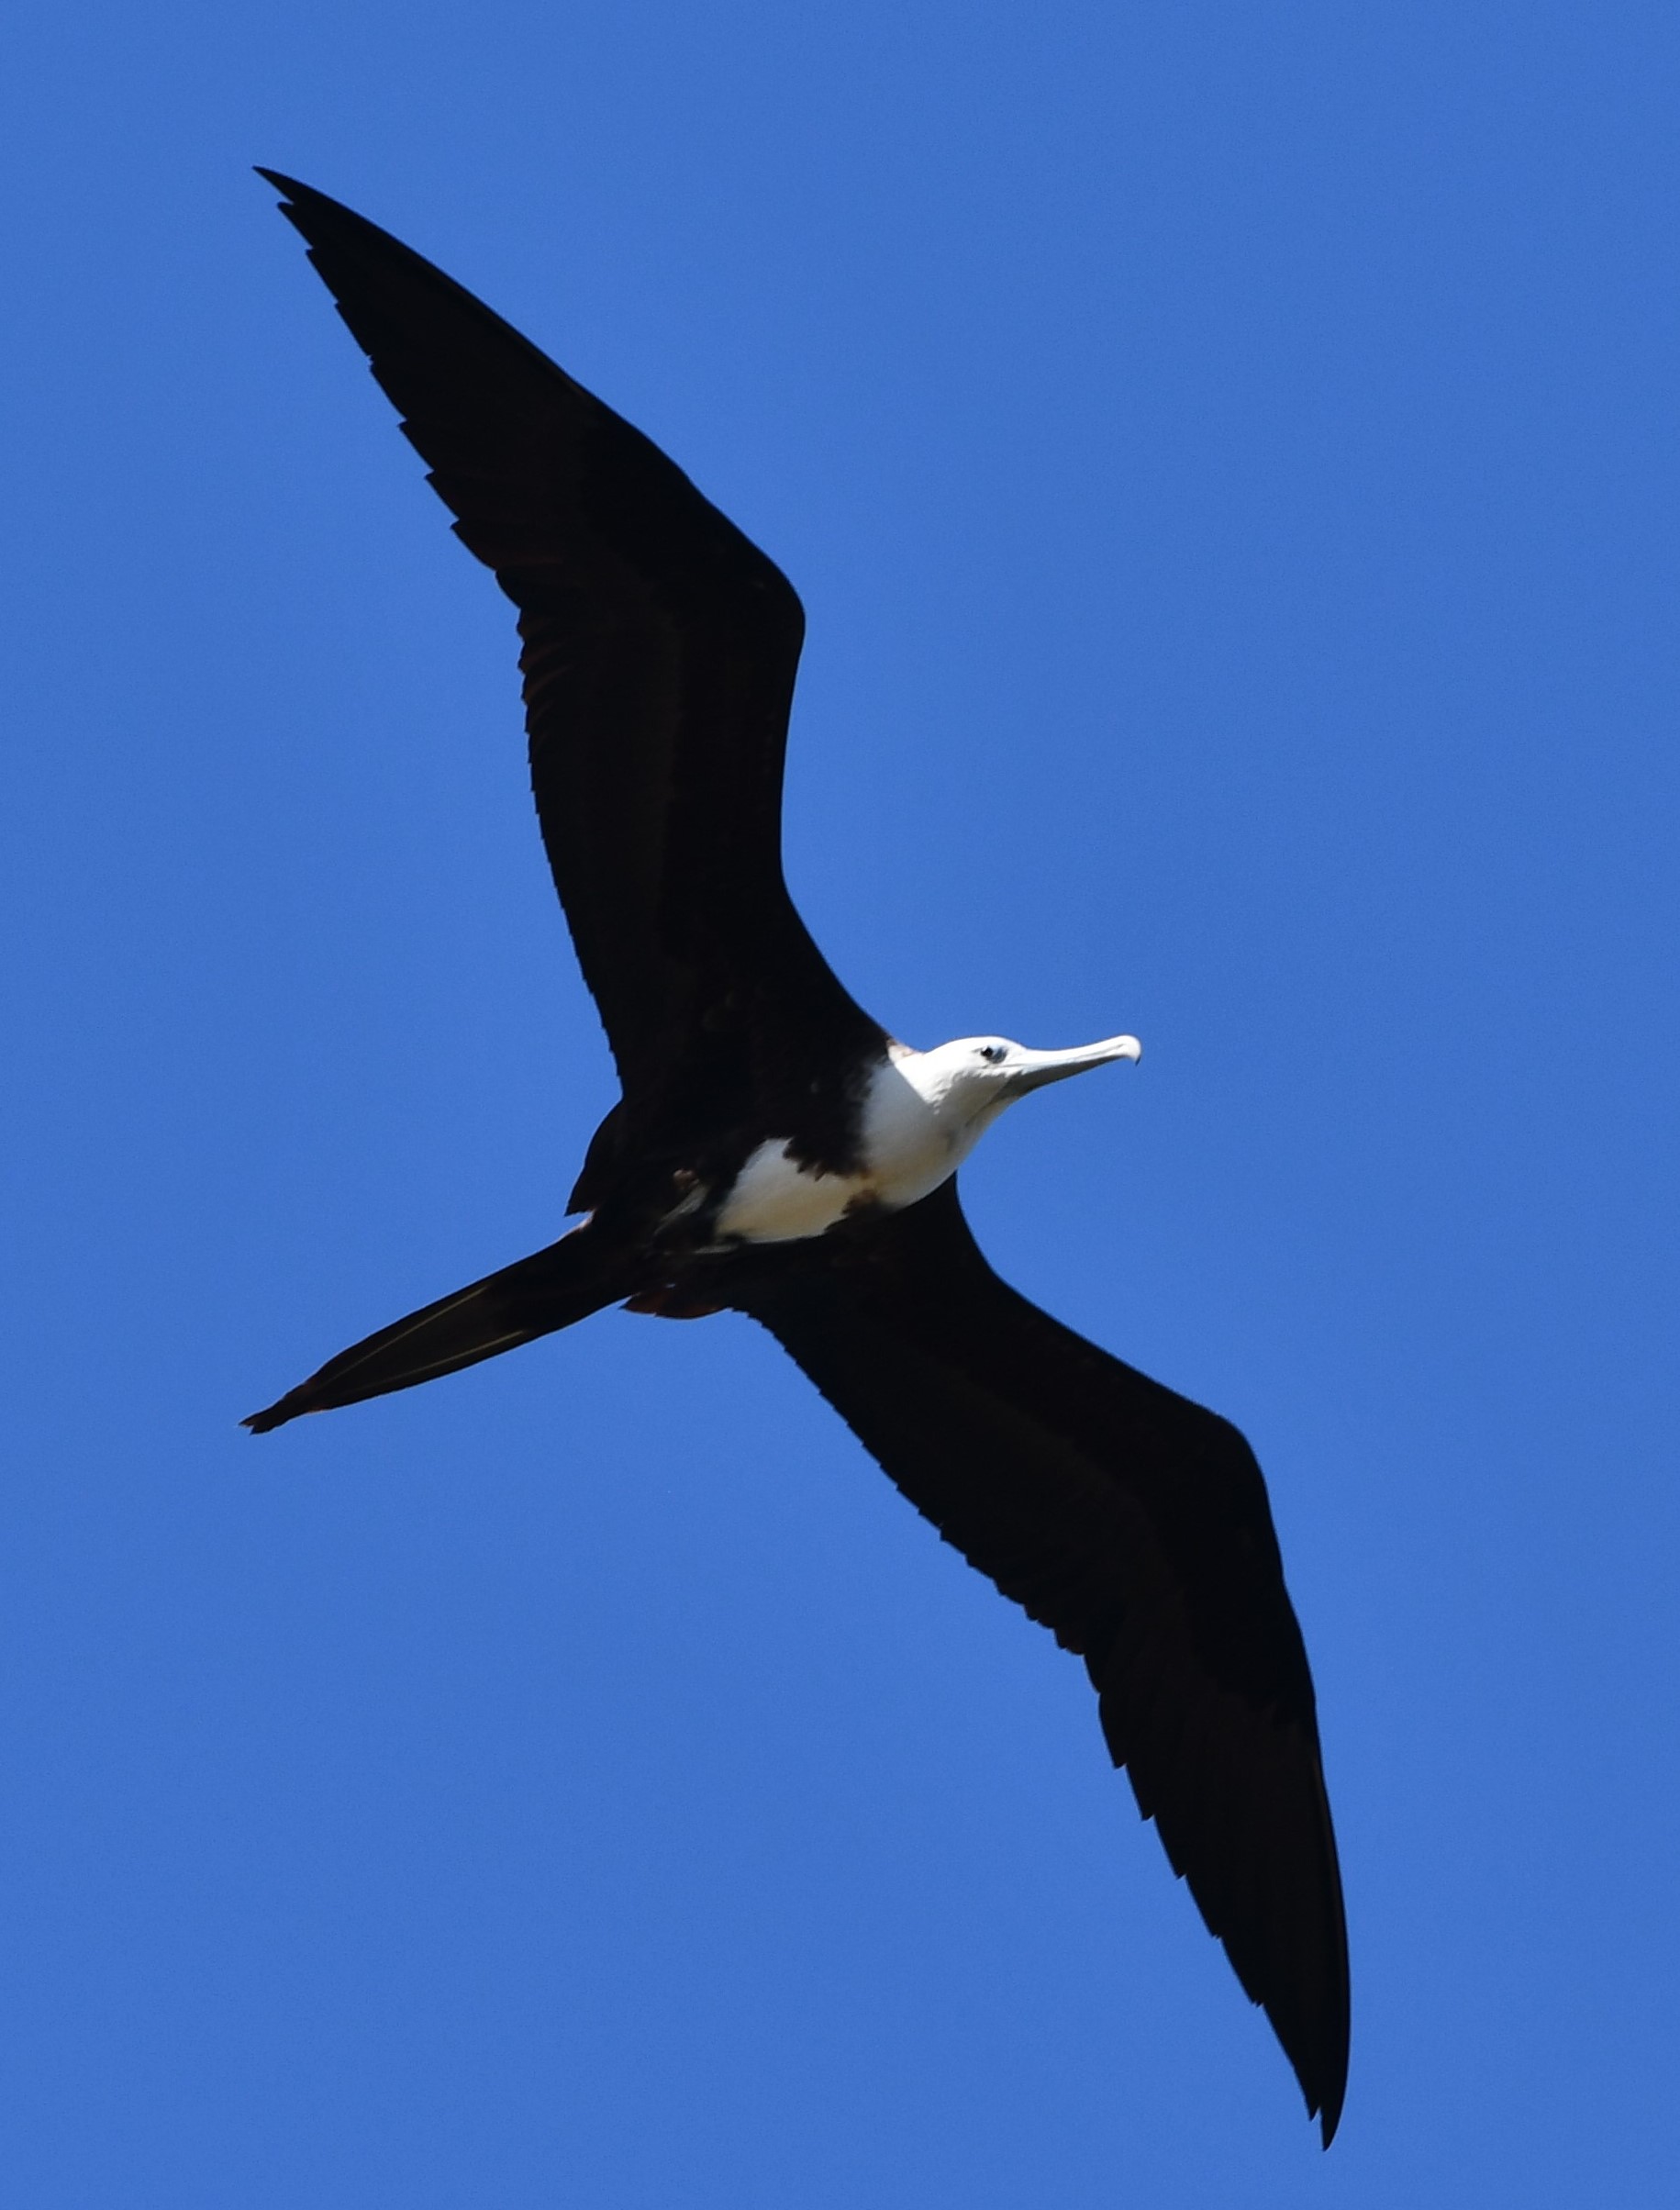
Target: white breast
<point>775,1200</point>
<point>911,1143</point>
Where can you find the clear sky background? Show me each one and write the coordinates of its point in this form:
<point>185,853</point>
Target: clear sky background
<point>1229,455</point>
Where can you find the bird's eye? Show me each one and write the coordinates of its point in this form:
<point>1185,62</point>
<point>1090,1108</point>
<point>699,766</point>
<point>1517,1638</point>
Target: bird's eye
<point>992,1052</point>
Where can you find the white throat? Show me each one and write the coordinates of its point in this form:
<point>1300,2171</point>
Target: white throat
<point>923,1113</point>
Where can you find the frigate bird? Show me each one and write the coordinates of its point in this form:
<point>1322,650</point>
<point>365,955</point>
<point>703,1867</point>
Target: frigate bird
<point>776,1152</point>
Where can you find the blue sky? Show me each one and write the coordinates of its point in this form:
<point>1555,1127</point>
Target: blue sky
<point>1228,458</point>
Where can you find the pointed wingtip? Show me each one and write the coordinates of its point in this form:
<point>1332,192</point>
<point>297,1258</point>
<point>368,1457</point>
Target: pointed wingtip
<point>297,199</point>
<point>1325,2098</point>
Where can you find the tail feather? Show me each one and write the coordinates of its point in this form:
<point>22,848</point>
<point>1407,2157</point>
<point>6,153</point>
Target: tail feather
<point>535,1296</point>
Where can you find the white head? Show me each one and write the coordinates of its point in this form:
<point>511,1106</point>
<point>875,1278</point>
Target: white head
<point>968,1083</point>
<point>924,1112</point>
<point>929,1109</point>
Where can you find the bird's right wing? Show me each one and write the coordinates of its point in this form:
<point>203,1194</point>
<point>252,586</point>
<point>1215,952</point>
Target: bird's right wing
<point>661,647</point>
<point>1134,1526</point>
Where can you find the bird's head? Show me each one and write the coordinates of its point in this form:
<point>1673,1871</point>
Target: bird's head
<point>969,1082</point>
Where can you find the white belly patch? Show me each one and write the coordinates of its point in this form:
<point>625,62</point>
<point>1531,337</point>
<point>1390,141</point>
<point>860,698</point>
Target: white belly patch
<point>910,1144</point>
<point>775,1200</point>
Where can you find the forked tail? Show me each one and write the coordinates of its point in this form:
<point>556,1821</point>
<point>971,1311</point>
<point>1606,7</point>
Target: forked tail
<point>550,1289</point>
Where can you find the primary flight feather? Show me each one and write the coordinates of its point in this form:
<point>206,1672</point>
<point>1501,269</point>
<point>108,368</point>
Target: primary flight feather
<point>777,1152</point>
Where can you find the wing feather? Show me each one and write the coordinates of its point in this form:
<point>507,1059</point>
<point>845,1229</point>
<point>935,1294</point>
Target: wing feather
<point>660,648</point>
<point>1135,1525</point>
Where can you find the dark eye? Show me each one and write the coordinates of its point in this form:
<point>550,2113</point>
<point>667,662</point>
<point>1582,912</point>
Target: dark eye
<point>992,1052</point>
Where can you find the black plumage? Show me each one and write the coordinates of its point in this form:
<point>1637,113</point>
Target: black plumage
<point>660,649</point>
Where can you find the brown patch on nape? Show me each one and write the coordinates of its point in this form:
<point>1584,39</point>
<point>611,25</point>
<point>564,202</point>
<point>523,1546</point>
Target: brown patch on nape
<point>671,1303</point>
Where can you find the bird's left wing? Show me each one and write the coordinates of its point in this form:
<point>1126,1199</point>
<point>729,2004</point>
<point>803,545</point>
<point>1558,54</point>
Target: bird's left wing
<point>660,650</point>
<point>1132,1524</point>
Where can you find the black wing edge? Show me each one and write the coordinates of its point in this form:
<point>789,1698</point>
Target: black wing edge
<point>1135,1525</point>
<point>316,217</point>
<point>661,649</point>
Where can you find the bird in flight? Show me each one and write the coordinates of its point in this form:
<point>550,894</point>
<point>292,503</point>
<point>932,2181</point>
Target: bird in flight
<point>776,1152</point>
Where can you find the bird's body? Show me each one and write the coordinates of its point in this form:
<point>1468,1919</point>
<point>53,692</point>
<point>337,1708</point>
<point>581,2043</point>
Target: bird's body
<point>919,1115</point>
<point>775,1151</point>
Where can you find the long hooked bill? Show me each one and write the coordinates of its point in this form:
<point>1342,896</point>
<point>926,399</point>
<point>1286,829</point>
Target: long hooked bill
<point>1037,1067</point>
